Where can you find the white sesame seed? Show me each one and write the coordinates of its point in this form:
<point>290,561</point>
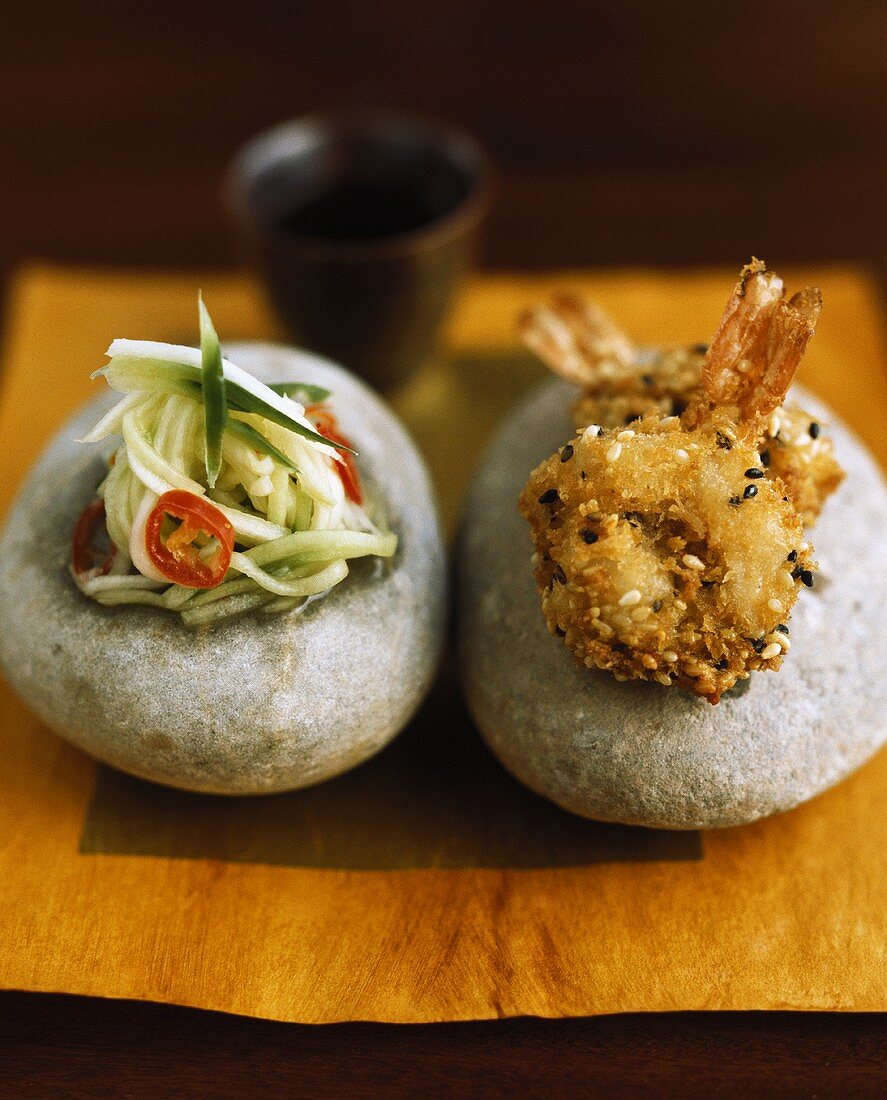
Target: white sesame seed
<point>681,455</point>
<point>775,424</point>
<point>663,678</point>
<point>774,604</point>
<point>669,655</point>
<point>787,578</point>
<point>780,639</point>
<point>743,366</point>
<point>641,614</point>
<point>680,605</point>
<point>769,651</point>
<point>630,598</point>
<point>804,547</point>
<point>626,434</point>
<point>592,431</point>
<point>614,452</point>
<point>692,562</point>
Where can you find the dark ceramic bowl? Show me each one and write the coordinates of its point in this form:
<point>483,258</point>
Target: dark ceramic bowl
<point>361,225</point>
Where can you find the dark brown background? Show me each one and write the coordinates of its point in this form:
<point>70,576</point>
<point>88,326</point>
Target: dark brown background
<point>625,133</point>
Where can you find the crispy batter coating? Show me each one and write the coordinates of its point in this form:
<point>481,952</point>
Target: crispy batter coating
<point>673,549</point>
<point>653,562</point>
<point>577,341</point>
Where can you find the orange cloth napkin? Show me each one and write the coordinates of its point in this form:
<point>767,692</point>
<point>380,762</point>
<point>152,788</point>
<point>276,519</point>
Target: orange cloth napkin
<point>426,885</point>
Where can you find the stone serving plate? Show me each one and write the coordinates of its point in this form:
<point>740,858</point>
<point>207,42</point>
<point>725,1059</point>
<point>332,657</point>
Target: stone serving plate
<point>643,754</point>
<point>263,703</point>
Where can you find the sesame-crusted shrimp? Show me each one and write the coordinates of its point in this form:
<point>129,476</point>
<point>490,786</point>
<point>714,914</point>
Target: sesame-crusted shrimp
<point>580,343</point>
<point>661,556</point>
<point>664,551</point>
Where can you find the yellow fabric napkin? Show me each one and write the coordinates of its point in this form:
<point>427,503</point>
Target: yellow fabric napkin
<point>426,885</point>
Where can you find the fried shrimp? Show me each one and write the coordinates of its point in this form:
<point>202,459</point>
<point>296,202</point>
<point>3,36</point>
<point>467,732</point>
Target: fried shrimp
<point>664,551</point>
<point>620,384</point>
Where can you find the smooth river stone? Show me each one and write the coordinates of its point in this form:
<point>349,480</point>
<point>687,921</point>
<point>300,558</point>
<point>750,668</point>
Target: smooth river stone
<point>641,753</point>
<point>262,703</point>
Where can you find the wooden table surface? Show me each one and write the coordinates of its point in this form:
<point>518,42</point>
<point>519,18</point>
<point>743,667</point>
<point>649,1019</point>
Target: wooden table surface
<point>81,1047</point>
<point>645,133</point>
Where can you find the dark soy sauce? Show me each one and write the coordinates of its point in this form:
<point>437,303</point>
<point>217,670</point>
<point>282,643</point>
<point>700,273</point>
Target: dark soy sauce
<point>355,210</point>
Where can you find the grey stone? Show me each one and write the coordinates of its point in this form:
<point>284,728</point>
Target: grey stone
<point>644,754</point>
<point>263,703</point>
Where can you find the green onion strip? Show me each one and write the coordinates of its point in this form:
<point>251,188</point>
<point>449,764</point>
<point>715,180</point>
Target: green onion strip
<point>215,403</point>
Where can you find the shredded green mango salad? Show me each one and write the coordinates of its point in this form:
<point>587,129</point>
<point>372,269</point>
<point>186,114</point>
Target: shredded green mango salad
<point>225,496</point>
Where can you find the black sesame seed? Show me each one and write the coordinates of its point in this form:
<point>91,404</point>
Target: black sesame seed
<point>735,501</point>
<point>559,575</point>
<point>757,644</point>
<point>722,664</point>
<point>700,349</point>
<point>765,458</point>
<point>583,474</point>
<point>588,536</point>
<point>814,430</point>
<point>647,379</point>
<point>724,441</point>
<point>750,491</point>
<point>807,578</point>
<point>567,453</point>
<point>753,471</point>
<point>657,605</point>
<point>793,556</point>
<point>549,496</point>
<point>782,628</point>
<point>797,571</point>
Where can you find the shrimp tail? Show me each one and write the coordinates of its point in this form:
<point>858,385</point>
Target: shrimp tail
<point>576,340</point>
<point>759,343</point>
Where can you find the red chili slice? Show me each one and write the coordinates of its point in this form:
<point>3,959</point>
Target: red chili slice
<point>175,551</point>
<point>325,423</point>
<point>92,551</point>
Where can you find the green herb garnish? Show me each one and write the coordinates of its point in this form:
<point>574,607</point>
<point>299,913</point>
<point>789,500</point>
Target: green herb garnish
<point>313,394</point>
<point>258,442</point>
<point>215,403</point>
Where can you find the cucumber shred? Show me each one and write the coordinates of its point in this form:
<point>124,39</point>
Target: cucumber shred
<point>190,420</point>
